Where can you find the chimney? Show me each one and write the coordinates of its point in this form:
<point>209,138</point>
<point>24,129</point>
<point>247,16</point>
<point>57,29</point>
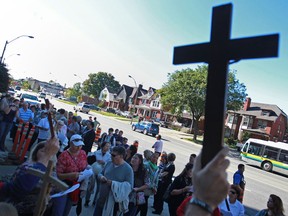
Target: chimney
<point>247,104</point>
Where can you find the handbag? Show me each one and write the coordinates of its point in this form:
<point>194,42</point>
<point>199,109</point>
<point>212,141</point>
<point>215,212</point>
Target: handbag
<point>140,198</point>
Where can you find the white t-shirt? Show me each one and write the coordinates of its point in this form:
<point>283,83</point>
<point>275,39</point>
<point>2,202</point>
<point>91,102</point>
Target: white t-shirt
<point>44,134</point>
<point>158,146</point>
<point>237,209</point>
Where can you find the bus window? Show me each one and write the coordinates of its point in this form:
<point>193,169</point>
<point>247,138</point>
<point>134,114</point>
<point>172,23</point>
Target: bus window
<point>271,153</point>
<point>254,148</point>
<point>244,148</point>
<point>283,157</point>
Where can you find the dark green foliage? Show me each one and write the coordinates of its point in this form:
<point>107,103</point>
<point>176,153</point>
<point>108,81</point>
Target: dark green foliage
<point>4,78</point>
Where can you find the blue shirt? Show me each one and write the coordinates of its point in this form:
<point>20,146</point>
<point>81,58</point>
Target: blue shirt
<point>238,177</point>
<point>25,115</point>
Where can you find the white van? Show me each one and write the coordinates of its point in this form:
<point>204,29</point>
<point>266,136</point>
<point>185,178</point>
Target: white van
<point>82,107</point>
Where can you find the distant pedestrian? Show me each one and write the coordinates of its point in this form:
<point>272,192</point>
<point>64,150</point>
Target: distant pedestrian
<point>96,123</point>
<point>239,181</point>
<point>158,145</point>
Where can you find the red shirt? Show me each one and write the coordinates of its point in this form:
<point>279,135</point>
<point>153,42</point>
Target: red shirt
<point>68,164</point>
<point>181,209</point>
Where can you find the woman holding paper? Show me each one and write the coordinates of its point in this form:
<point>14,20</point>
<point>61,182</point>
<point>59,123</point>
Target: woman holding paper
<point>69,166</point>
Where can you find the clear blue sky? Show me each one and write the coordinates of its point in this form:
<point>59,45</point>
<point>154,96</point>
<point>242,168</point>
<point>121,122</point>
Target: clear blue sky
<point>136,37</point>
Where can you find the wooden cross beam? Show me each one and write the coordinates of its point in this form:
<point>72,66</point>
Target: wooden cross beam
<point>217,53</point>
<point>47,180</point>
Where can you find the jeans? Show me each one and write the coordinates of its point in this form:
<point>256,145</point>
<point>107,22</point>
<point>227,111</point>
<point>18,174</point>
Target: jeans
<point>4,130</point>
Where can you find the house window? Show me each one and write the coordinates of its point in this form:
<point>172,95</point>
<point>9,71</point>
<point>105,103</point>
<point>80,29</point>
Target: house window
<point>230,119</point>
<point>262,124</point>
<point>154,113</point>
<point>155,103</point>
<point>245,121</point>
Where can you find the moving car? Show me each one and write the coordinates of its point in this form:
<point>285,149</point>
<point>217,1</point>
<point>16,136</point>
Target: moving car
<point>146,128</point>
<point>82,107</point>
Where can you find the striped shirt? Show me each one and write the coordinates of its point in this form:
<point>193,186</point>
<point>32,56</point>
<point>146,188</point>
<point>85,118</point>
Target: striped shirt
<point>25,115</point>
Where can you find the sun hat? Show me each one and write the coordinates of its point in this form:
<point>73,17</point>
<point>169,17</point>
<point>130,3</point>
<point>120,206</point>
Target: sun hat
<point>77,140</point>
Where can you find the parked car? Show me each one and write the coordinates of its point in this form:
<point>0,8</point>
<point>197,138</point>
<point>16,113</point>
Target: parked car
<point>110,110</point>
<point>31,99</point>
<point>146,128</point>
<point>42,95</point>
<point>94,107</point>
<point>11,91</point>
<point>82,107</point>
<point>18,88</point>
<point>126,114</point>
<point>161,123</point>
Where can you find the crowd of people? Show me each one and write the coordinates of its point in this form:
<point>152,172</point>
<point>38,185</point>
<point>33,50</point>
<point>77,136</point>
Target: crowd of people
<point>116,178</point>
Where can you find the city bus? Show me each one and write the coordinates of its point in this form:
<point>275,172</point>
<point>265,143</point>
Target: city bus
<point>270,156</point>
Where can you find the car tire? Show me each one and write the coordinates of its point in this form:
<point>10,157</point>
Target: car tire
<point>145,132</point>
<point>133,128</point>
<point>154,135</point>
<point>267,166</point>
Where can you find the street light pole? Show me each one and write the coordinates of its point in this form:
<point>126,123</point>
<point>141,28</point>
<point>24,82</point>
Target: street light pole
<point>8,42</point>
<point>135,100</point>
<point>10,56</point>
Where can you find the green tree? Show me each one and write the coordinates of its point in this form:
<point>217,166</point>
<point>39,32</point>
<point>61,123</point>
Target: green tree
<point>26,85</point>
<point>4,78</point>
<point>96,82</point>
<point>75,91</point>
<point>186,90</point>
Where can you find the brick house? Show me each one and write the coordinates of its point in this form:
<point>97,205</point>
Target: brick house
<point>109,98</point>
<point>262,121</point>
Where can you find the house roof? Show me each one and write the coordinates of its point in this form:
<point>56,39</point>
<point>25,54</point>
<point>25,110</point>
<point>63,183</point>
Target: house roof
<point>110,90</point>
<point>256,109</point>
<point>140,93</point>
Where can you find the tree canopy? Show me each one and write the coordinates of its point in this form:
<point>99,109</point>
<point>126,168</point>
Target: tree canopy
<point>96,82</point>
<point>75,91</point>
<point>186,90</point>
<point>4,78</point>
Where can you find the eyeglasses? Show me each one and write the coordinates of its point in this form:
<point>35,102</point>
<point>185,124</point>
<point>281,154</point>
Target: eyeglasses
<point>113,155</point>
<point>233,192</point>
<point>77,140</point>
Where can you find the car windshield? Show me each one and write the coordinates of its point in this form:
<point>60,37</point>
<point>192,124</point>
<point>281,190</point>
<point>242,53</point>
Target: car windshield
<point>30,97</point>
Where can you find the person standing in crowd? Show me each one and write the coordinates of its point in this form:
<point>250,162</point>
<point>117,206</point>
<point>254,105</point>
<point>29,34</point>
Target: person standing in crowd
<point>25,114</point>
<point>130,152</point>
<point>101,157</point>
<point>116,177</point>
<point>239,181</point>
<point>9,113</point>
<point>43,127</point>
<point>158,145</point>
<point>192,158</point>
<point>23,189</point>
<point>153,175</point>
<point>141,182</point>
<point>231,204</point>
<point>61,130</point>
<point>70,164</point>
<point>96,123</point>
<point>124,143</point>
<point>73,128</point>
<point>109,137</point>
<point>119,138</point>
<point>88,136</point>
<point>274,207</point>
<point>69,120</point>
<point>136,143</point>
<point>180,189</point>
<point>165,180</point>
<point>61,116</point>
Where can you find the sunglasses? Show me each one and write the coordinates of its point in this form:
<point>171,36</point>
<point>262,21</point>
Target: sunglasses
<point>113,155</point>
<point>232,192</point>
<point>77,140</point>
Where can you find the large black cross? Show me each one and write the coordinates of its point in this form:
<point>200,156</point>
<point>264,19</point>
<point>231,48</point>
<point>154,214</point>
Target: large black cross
<point>217,53</point>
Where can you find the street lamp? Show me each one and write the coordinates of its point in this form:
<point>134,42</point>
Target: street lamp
<point>10,56</point>
<point>135,100</point>
<point>8,42</point>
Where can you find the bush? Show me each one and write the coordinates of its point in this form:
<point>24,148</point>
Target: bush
<point>230,141</point>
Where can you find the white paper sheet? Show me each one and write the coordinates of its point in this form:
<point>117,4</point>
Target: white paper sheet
<point>71,189</point>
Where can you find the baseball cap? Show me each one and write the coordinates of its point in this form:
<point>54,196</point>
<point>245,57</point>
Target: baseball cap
<point>77,140</point>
